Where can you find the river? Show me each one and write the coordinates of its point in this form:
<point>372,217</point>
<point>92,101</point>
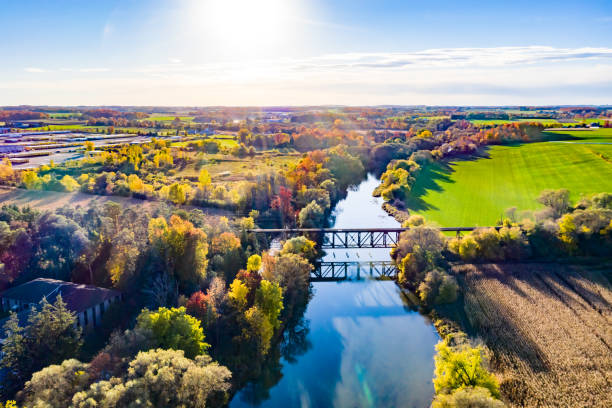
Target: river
<point>365,346</point>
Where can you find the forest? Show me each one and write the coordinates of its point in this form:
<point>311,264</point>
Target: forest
<point>215,307</point>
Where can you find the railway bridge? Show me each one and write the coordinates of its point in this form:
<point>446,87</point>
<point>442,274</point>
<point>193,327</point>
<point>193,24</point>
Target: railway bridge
<point>337,271</point>
<point>351,238</point>
<point>347,238</point>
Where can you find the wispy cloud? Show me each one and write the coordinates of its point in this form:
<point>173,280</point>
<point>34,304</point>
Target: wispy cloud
<point>34,70</point>
<point>459,57</point>
<point>504,75</point>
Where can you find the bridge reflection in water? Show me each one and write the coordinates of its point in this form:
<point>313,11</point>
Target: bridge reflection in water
<point>339,271</point>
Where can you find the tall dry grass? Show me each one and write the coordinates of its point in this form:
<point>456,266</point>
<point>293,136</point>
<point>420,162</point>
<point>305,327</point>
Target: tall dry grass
<point>549,328</point>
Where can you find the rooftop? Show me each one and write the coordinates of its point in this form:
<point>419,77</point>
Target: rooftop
<point>78,297</point>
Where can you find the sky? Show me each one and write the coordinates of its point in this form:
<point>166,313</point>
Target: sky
<point>305,52</point>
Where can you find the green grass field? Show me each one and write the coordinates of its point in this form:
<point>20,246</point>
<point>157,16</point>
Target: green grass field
<point>224,142</point>
<point>477,192</point>
<point>484,122</point>
<point>169,118</point>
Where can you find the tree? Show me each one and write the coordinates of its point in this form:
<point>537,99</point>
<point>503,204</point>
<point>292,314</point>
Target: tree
<point>259,329</point>
<point>438,287</point>
<point>469,397</point>
<point>254,263</point>
<point>6,170</point>
<point>311,216</point>
<point>50,337</point>
<point>300,246</point>
<point>161,378</point>
<point>282,202</point>
<point>556,200</point>
<point>30,180</point>
<point>204,179</point>
<point>228,256</point>
<point>55,385</point>
<point>69,184</point>
<point>60,243</point>
<point>269,298</point>
<point>291,272</point>
<point>89,146</point>
<point>461,367</point>
<point>198,305</point>
<point>238,293</point>
<point>182,247</point>
<point>175,329</point>
<point>178,193</point>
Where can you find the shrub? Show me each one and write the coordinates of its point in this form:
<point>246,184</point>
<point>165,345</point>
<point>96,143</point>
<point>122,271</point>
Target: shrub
<point>469,397</point>
<point>438,287</point>
<point>460,367</point>
<point>300,246</point>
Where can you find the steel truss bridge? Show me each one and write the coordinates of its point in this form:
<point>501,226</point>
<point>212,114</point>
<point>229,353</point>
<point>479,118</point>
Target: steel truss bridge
<point>347,238</point>
<point>338,271</point>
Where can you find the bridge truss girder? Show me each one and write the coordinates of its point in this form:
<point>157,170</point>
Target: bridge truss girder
<point>360,239</point>
<point>336,271</point>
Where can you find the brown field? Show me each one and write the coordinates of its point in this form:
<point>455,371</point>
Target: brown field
<point>549,328</point>
<point>51,200</point>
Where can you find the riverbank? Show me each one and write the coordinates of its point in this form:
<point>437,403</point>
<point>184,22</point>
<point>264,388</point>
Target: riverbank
<point>399,215</point>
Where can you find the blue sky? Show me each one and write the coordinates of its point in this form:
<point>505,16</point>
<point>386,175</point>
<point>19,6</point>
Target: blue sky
<point>297,52</point>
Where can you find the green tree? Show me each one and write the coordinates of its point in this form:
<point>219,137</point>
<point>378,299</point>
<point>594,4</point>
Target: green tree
<point>292,273</point>
<point>311,216</point>
<point>460,367</point>
<point>269,298</point>
<point>438,287</point>
<point>469,397</point>
<point>178,193</point>
<point>50,337</point>
<point>174,328</point>
<point>300,246</point>
<point>258,328</point>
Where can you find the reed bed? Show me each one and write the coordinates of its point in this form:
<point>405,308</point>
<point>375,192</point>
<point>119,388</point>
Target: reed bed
<point>549,328</point>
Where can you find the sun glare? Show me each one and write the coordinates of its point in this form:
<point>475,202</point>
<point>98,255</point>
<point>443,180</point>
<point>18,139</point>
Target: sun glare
<point>245,26</point>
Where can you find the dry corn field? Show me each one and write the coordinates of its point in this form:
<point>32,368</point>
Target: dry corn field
<point>549,328</point>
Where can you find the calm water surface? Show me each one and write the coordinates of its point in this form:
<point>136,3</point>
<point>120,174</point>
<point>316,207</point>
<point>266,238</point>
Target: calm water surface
<point>365,347</point>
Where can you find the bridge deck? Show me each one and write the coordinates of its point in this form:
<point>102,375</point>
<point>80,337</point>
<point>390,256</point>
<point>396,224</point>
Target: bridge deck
<point>331,230</point>
<point>353,237</point>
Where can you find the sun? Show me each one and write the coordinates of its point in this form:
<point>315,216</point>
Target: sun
<point>248,27</point>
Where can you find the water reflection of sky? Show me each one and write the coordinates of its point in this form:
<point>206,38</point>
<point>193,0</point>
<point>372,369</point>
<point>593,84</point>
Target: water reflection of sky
<point>367,348</point>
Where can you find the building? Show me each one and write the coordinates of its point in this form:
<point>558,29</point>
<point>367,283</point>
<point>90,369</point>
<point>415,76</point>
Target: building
<point>88,302</point>
<point>11,149</point>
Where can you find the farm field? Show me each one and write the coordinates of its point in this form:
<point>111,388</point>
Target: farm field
<point>169,118</point>
<point>582,136</point>
<point>481,122</point>
<point>477,192</point>
<point>226,141</point>
<point>52,200</point>
<point>224,169</point>
<point>549,328</point>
